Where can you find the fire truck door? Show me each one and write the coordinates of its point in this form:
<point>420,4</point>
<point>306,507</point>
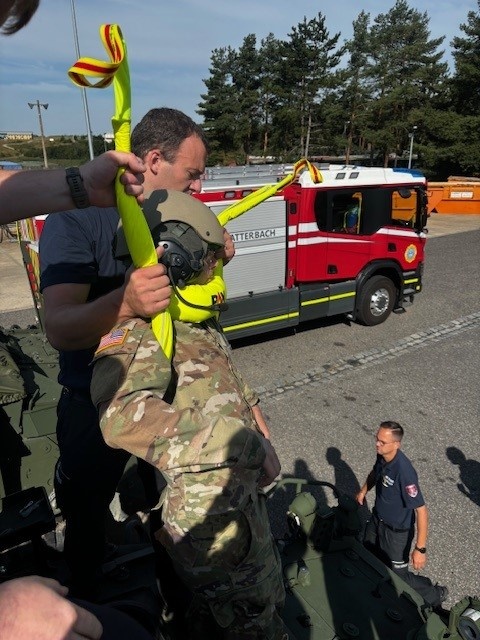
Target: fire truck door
<point>347,248</point>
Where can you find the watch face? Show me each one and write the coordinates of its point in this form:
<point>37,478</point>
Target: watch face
<point>421,549</point>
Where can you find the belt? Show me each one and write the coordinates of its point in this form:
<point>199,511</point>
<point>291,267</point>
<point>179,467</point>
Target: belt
<point>389,526</point>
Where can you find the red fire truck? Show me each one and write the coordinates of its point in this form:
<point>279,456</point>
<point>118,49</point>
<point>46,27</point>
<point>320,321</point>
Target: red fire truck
<point>352,244</point>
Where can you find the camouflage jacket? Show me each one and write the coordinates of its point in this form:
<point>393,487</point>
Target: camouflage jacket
<point>191,418</point>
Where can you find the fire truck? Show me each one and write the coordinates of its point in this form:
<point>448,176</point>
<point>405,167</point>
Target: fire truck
<point>352,244</point>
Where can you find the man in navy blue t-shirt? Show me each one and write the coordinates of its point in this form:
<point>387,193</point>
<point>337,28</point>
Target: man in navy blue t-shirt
<point>85,293</point>
<point>399,504</point>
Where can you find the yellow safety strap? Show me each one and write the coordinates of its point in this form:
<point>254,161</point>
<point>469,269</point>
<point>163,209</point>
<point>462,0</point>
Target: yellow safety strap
<point>137,232</point>
<point>267,191</point>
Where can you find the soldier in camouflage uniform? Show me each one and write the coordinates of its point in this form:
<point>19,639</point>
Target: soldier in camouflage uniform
<point>200,425</point>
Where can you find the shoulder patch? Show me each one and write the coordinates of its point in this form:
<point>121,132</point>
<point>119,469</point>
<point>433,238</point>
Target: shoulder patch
<point>112,339</point>
<point>412,490</point>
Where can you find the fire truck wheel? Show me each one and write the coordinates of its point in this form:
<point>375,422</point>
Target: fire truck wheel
<point>375,301</point>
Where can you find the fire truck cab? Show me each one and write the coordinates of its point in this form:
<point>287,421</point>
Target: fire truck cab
<point>351,244</point>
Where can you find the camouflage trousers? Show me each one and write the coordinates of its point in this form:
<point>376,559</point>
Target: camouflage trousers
<point>229,562</point>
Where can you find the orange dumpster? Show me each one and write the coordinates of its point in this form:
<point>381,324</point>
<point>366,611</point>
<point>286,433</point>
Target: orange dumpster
<point>454,197</point>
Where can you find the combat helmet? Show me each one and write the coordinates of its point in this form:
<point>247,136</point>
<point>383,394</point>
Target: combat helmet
<point>185,227</point>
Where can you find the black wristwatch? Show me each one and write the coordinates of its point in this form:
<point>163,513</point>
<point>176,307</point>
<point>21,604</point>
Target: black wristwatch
<point>77,190</point>
<point>421,549</point>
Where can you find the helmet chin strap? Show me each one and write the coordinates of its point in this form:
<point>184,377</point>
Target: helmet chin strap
<point>221,306</point>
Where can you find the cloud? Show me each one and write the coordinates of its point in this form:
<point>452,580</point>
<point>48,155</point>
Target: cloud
<point>169,50</point>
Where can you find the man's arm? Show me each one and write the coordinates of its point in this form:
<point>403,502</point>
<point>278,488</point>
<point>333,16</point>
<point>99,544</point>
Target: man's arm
<point>418,559</point>
<point>72,323</point>
<point>271,465</point>
<point>260,420</point>
<point>35,607</point>
<point>369,483</point>
<point>28,193</point>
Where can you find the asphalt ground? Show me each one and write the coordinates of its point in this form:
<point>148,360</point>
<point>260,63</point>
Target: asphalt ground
<point>325,388</point>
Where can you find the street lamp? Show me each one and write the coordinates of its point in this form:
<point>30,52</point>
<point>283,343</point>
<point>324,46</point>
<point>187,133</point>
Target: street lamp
<point>410,153</point>
<point>347,131</point>
<point>45,106</point>
<point>310,128</point>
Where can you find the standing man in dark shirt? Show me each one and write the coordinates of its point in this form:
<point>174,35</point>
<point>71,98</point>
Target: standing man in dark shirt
<point>85,294</point>
<point>398,505</point>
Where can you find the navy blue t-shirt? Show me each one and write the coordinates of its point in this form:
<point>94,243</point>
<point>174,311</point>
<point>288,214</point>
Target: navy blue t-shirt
<point>397,491</point>
<point>76,247</point>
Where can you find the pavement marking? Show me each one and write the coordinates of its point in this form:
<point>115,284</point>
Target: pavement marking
<point>366,359</point>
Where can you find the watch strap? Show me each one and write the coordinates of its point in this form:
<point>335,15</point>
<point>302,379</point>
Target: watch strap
<point>421,549</point>
<point>77,188</point>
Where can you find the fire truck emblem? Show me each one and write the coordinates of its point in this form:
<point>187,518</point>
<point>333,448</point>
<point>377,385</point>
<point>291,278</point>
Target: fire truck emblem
<point>410,253</point>
<point>412,490</point>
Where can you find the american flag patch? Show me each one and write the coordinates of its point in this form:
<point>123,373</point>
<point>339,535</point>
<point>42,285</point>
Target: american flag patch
<point>112,339</point>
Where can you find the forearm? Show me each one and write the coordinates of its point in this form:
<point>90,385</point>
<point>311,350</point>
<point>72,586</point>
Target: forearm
<point>418,558</point>
<point>73,323</point>
<point>422,526</point>
<point>29,193</point>
<point>260,420</point>
<point>50,188</point>
<point>80,326</point>
<point>368,484</point>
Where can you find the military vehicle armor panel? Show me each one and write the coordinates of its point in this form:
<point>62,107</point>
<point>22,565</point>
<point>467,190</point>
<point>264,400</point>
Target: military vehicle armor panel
<point>29,393</point>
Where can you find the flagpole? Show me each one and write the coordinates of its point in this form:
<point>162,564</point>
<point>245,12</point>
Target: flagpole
<point>82,89</point>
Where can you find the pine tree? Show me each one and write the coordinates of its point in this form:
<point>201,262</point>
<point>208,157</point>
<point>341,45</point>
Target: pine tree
<point>308,59</point>
<point>219,107</point>
<point>355,96</point>
<point>269,88</point>
<point>452,128</point>
<point>466,55</point>
<point>404,73</point>
<point>245,76</point>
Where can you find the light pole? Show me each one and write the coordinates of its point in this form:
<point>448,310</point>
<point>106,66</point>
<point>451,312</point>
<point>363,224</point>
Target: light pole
<point>82,89</point>
<point>310,128</point>
<point>411,135</point>
<point>347,131</point>
<point>45,106</point>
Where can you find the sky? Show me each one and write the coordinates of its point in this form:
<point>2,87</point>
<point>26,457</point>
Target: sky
<point>169,51</point>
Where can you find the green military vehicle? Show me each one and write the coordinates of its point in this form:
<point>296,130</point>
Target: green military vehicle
<point>335,588</point>
<point>29,393</point>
